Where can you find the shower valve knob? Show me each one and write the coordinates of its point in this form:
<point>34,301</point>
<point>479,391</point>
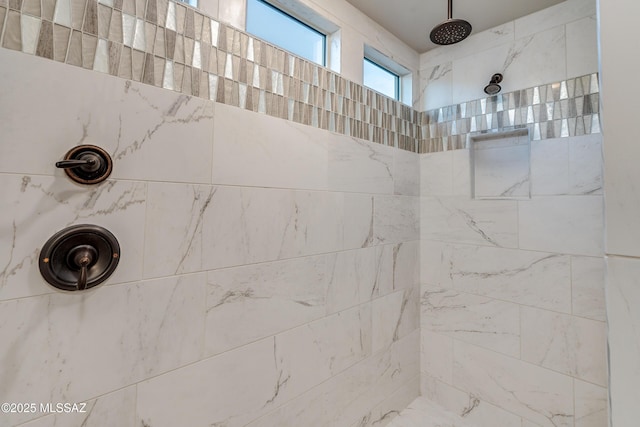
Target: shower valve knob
<point>86,164</point>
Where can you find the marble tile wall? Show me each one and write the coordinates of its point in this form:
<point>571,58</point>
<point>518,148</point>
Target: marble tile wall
<point>269,274</point>
<point>512,298</point>
<point>171,45</point>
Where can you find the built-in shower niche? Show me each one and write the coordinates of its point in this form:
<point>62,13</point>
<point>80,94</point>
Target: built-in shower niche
<point>500,164</point>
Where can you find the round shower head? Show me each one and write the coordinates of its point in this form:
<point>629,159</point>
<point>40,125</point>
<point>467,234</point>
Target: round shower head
<point>493,87</point>
<point>450,31</point>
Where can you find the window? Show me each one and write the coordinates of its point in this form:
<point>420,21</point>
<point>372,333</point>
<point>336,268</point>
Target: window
<point>386,76</point>
<point>279,28</point>
<point>381,79</point>
<point>193,3</point>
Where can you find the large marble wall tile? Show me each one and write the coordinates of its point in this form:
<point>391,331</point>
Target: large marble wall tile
<point>358,276</point>
<point>254,149</point>
<point>436,174</point>
<point>530,278</point>
<point>178,210</point>
<point>394,316</point>
<point>582,36</point>
<point>113,409</point>
<point>585,164</point>
<point>482,222</point>
<point>623,298</point>
<point>247,225</point>
<point>358,220</point>
<point>554,16</point>
<point>371,380</point>
<point>477,320</point>
<point>436,355</point>
<point>591,405</point>
<point>461,173</point>
<point>543,51</point>
<point>406,173</point>
<point>567,344</point>
<point>387,410</point>
<point>435,263</point>
<point>255,301</point>
<point>396,219</point>
<point>501,167</point>
<point>587,287</point>
<point>406,265</point>
<point>26,370</point>
<point>435,87</point>
<point>36,207</point>
<point>535,393</point>
<point>139,125</point>
<point>230,389</point>
<point>373,162</point>
<point>467,405</point>
<point>344,398</point>
<point>550,167</point>
<point>310,354</point>
<point>570,224</point>
<point>130,332</point>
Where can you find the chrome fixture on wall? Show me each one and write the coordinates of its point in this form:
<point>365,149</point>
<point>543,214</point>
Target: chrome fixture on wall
<point>87,164</point>
<point>79,257</point>
<point>493,87</point>
<point>450,31</point>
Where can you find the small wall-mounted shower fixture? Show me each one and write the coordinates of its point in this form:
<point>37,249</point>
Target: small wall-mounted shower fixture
<point>493,87</point>
<point>87,164</point>
<point>79,257</point>
<point>450,31</point>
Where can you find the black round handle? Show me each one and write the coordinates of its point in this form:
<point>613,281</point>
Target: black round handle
<point>79,257</point>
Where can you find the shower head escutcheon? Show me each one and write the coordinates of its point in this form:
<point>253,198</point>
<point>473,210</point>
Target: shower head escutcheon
<point>493,87</point>
<point>450,31</point>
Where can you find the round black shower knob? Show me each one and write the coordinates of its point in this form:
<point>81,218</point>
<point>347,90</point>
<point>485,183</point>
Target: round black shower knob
<point>79,257</point>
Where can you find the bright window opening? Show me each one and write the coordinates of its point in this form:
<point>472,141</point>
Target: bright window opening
<point>380,79</point>
<point>281,29</point>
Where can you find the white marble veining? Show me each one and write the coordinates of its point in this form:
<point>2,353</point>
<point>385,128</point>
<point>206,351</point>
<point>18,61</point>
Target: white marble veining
<point>396,219</point>
<point>436,355</point>
<point>150,133</point>
<point>36,207</point>
<point>501,167</point>
<point>623,294</point>
<point>591,404</point>
<point>255,301</point>
<point>406,173</point>
<point>436,174</point>
<point>537,394</point>
<point>391,407</point>
<point>178,210</point>
<point>587,287</point>
<point>570,224</point>
<point>479,222</point>
<point>478,320</point>
<point>66,336</point>
<point>393,317</point>
<point>425,413</point>
<point>374,163</point>
<point>268,153</point>
<point>564,343</point>
<point>358,224</point>
<point>299,223</point>
<point>469,406</point>
<point>117,408</point>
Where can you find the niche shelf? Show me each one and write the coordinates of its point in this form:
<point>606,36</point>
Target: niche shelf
<point>501,164</point>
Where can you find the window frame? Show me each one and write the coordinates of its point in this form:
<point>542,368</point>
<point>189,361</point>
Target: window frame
<point>312,28</point>
<point>396,78</point>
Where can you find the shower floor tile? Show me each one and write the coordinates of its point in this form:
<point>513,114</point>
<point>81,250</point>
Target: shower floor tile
<point>424,413</point>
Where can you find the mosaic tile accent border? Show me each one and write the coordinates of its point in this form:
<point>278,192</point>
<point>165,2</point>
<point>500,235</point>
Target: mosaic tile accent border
<point>556,110</point>
<point>171,45</point>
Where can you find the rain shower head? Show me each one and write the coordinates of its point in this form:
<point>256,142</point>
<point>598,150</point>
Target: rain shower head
<point>493,87</point>
<point>450,31</point>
